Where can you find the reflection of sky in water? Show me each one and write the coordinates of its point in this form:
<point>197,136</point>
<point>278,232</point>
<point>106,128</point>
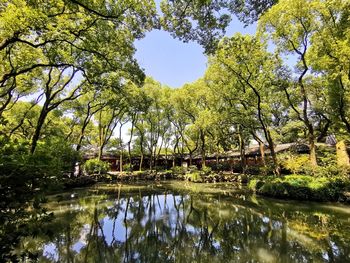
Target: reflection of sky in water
<point>77,246</point>
<point>119,233</point>
<point>164,211</point>
<point>50,251</point>
<point>206,222</point>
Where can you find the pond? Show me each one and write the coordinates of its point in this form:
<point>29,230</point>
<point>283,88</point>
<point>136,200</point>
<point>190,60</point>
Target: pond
<point>184,222</point>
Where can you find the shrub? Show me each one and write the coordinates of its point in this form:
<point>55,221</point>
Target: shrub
<point>194,177</point>
<point>296,191</point>
<point>127,167</point>
<point>326,156</point>
<point>274,189</point>
<point>266,170</point>
<point>96,166</point>
<point>243,179</point>
<point>178,170</point>
<point>303,187</point>
<point>296,163</point>
<point>161,168</point>
<point>206,170</point>
<point>255,184</point>
<point>192,168</point>
<point>331,171</point>
<point>253,170</point>
<point>220,166</point>
<point>344,171</point>
<point>237,168</point>
<point>24,181</point>
<point>298,180</point>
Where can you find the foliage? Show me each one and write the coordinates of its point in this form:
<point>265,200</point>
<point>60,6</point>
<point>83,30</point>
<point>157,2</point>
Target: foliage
<point>178,170</point>
<point>127,167</point>
<point>295,163</point>
<point>220,166</point>
<point>255,184</point>
<point>69,81</point>
<point>96,166</point>
<point>253,170</point>
<point>206,21</point>
<point>192,168</point>
<point>299,164</point>
<point>303,187</point>
<point>194,177</point>
<point>206,170</point>
<point>24,180</point>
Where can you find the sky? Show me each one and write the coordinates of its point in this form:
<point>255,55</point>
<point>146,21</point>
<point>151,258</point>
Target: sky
<point>173,62</point>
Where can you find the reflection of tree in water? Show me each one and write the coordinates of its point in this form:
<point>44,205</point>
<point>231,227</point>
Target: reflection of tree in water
<point>136,227</point>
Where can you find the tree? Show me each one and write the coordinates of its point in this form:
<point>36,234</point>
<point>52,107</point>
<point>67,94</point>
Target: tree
<point>250,70</point>
<point>96,39</point>
<point>292,24</point>
<point>56,85</point>
<point>329,57</point>
<point>206,21</point>
<point>108,117</point>
<point>83,110</point>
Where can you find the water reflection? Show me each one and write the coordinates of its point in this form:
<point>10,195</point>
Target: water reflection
<point>173,222</point>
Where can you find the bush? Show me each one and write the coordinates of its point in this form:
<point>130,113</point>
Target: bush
<point>255,184</point>
<point>252,170</point>
<point>243,179</point>
<point>127,167</point>
<point>274,189</point>
<point>298,180</point>
<point>96,166</point>
<point>206,170</point>
<point>192,168</point>
<point>24,181</point>
<point>303,187</point>
<point>237,168</point>
<point>194,177</point>
<point>295,164</point>
<point>327,165</point>
<point>326,156</point>
<point>161,168</point>
<point>178,170</point>
<point>331,171</point>
<point>266,170</point>
<point>225,166</point>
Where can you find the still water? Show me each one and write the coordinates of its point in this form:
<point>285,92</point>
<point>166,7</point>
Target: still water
<point>184,222</point>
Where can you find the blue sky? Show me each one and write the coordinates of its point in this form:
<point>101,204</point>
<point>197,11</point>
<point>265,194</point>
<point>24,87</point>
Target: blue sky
<point>172,62</point>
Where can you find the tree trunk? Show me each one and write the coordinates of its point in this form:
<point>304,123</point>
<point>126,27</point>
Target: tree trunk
<point>275,161</point>
<point>166,158</point>
<point>100,152</point>
<point>131,135</point>
<point>203,148</point>
<point>342,154</point>
<point>81,137</point>
<point>82,131</point>
<point>121,163</point>
<point>141,161</point>
<point>242,152</point>
<point>273,154</point>
<point>39,125</point>
<point>313,158</point>
<point>151,162</point>
<point>262,153</point>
